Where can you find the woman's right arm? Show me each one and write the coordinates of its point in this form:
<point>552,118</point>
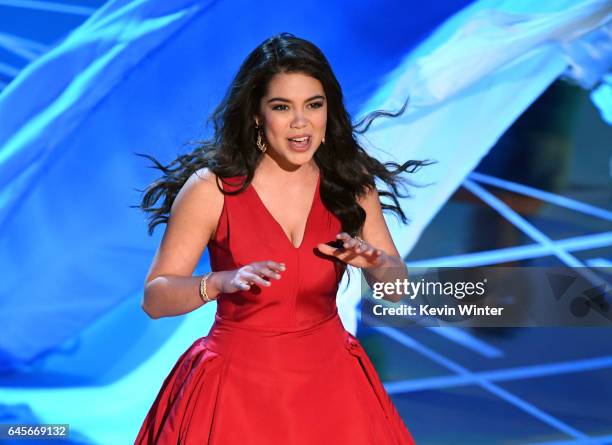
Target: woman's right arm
<point>170,288</point>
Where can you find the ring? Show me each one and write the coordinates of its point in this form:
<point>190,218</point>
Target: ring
<point>361,242</point>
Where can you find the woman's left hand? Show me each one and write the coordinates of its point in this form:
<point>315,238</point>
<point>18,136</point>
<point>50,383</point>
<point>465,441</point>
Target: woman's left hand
<point>354,251</point>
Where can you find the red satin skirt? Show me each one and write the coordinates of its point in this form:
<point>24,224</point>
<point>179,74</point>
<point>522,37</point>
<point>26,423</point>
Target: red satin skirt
<point>261,386</point>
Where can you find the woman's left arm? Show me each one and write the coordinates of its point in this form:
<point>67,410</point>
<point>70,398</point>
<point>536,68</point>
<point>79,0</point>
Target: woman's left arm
<point>376,237</point>
<point>373,251</point>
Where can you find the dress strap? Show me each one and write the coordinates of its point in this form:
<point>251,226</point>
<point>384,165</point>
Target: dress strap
<point>232,183</point>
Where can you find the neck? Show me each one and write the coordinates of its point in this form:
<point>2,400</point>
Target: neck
<point>271,170</point>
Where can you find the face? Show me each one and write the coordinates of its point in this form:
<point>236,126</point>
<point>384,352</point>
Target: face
<point>293,113</point>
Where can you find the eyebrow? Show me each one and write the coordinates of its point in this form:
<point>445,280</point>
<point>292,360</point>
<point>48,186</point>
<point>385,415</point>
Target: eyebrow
<point>282,99</point>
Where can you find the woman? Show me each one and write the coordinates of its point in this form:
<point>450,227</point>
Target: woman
<point>284,198</point>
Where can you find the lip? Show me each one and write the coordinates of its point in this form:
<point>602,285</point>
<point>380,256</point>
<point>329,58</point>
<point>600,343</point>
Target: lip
<point>300,147</point>
<point>297,136</point>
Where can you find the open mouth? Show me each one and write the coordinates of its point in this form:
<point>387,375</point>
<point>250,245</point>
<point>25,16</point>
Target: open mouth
<point>299,143</point>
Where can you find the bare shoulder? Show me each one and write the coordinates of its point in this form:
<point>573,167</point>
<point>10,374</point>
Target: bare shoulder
<point>198,204</point>
<point>370,200</point>
<point>201,181</point>
<point>200,191</point>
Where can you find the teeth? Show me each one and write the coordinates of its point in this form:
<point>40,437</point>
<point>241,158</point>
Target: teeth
<point>303,139</point>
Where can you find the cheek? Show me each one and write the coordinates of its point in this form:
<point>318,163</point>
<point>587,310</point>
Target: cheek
<point>317,118</point>
<point>277,129</point>
<point>321,122</point>
<point>275,125</point>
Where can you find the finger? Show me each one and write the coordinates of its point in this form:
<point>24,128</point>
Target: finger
<point>343,236</point>
<point>362,247</point>
<point>248,268</point>
<point>266,271</point>
<point>259,268</point>
<point>242,285</point>
<point>341,254</point>
<point>367,249</point>
<point>329,250</point>
<point>375,256</point>
<point>359,247</point>
<point>279,267</point>
<point>351,243</point>
<point>255,279</point>
<point>369,252</point>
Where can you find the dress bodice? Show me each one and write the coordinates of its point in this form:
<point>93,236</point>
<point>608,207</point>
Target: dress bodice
<point>247,232</point>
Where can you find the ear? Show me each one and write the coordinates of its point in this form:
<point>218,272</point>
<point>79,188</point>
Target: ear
<point>257,120</point>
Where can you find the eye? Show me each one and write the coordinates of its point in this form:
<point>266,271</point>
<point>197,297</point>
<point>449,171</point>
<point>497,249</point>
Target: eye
<point>315,105</point>
<point>280,107</point>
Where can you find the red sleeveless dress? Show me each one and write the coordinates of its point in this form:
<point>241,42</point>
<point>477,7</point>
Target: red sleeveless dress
<point>277,366</point>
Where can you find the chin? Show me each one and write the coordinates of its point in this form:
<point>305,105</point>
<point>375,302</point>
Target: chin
<point>298,159</point>
<point>290,157</point>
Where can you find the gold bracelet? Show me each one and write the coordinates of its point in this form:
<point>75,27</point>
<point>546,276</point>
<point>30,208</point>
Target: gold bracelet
<point>203,293</point>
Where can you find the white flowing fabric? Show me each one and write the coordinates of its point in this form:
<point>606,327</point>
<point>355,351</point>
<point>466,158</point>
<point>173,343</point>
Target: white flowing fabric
<point>467,84</point>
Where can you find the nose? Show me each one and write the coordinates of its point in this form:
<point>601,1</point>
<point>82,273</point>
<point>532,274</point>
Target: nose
<point>299,120</point>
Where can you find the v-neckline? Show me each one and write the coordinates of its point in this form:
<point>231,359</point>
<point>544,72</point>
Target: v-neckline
<point>312,204</point>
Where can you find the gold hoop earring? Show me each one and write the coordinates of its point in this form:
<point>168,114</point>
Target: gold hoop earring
<point>261,145</point>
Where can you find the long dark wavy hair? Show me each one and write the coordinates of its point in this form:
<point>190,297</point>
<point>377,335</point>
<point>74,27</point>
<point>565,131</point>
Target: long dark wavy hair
<point>347,171</point>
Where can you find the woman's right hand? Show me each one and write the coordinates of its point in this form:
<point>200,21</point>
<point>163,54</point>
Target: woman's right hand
<point>258,272</point>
